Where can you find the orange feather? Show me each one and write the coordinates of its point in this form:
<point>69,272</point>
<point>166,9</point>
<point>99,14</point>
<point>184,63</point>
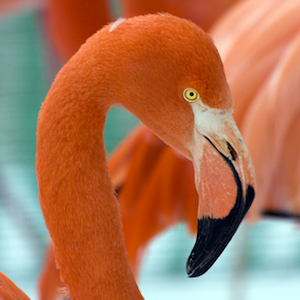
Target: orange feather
<point>9,291</point>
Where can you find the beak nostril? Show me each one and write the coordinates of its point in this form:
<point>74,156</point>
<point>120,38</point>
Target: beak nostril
<point>232,152</point>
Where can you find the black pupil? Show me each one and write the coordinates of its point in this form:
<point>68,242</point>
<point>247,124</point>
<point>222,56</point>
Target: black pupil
<point>192,94</point>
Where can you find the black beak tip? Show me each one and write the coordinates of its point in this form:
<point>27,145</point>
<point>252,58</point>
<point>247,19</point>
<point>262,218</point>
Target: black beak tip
<point>214,235</point>
<point>195,273</point>
<point>193,270</point>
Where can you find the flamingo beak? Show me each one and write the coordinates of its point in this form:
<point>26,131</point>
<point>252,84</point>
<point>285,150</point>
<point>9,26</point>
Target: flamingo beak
<point>225,181</point>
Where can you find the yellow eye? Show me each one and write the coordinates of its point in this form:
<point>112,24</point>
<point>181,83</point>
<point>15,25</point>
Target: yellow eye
<point>190,94</point>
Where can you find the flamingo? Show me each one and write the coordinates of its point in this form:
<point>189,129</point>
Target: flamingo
<point>189,106</point>
<point>70,24</point>
<point>230,40</point>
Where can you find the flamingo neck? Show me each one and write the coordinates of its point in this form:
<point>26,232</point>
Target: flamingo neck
<point>76,194</point>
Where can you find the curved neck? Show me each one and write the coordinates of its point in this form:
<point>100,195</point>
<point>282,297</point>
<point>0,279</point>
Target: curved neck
<point>76,194</point>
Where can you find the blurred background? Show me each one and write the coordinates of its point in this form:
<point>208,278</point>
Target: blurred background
<point>261,262</point>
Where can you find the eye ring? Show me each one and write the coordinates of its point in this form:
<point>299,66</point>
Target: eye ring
<point>190,95</point>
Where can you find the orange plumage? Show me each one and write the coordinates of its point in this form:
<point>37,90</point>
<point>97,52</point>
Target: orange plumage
<point>75,191</point>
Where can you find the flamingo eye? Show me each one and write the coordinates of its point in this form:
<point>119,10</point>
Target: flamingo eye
<point>190,95</point>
